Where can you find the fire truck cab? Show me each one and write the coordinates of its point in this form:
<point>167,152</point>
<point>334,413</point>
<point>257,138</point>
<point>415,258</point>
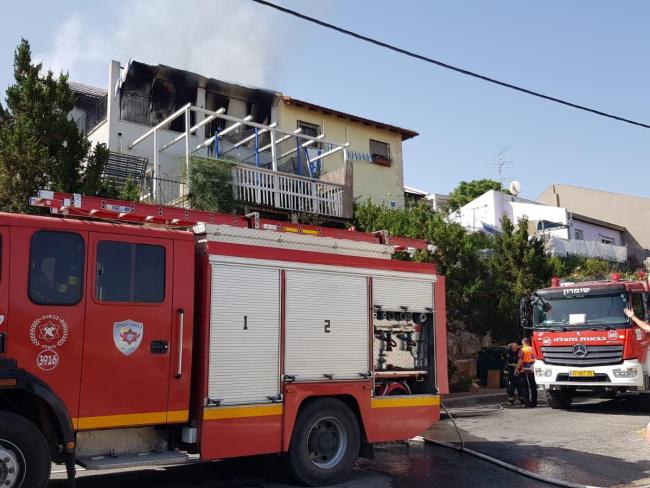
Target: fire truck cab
<point>584,343</point>
<point>126,343</point>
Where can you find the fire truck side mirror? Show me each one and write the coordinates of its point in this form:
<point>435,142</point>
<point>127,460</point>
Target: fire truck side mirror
<point>525,313</point>
<point>646,306</point>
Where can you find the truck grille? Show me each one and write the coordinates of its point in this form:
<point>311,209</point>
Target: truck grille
<point>596,355</point>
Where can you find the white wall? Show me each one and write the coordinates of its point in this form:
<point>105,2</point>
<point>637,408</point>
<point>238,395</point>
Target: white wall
<point>490,207</point>
<point>593,232</point>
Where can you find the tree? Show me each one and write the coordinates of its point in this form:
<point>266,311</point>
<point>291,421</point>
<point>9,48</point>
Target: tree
<point>519,266</point>
<point>466,191</point>
<point>40,147</point>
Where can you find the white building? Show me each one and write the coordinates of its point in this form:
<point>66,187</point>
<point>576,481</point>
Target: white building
<point>565,232</point>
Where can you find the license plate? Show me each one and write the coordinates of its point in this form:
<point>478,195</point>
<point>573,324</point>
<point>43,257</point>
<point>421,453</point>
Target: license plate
<point>581,373</point>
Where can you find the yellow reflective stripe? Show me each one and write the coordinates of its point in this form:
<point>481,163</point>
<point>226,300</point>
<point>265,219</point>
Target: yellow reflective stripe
<point>399,401</point>
<point>241,412</point>
<point>130,419</point>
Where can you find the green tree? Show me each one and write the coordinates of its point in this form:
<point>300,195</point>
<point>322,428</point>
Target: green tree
<point>210,184</point>
<point>519,266</point>
<point>466,191</point>
<point>40,147</point>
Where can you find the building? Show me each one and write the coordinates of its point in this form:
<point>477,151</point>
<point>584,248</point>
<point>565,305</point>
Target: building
<point>564,232</point>
<point>628,211</point>
<point>290,156</point>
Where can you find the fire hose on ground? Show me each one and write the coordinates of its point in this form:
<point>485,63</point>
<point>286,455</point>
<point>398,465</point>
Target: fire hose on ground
<point>499,462</point>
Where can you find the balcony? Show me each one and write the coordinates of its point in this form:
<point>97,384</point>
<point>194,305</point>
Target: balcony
<point>93,117</point>
<point>557,246</point>
<point>269,165</point>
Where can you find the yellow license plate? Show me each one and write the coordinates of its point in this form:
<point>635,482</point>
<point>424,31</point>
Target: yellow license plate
<point>582,373</point>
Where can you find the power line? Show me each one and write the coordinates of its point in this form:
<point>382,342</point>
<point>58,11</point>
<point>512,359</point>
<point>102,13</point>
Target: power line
<point>448,66</point>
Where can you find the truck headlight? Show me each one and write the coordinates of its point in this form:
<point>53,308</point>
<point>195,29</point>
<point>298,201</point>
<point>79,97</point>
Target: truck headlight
<point>543,372</point>
<point>625,373</point>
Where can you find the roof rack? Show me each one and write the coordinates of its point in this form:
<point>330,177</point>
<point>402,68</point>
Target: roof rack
<point>77,205</point>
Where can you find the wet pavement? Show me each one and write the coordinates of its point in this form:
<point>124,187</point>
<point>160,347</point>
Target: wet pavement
<point>397,466</point>
<point>599,443</point>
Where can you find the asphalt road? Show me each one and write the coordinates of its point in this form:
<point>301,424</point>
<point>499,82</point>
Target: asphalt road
<point>599,443</point>
<point>394,466</point>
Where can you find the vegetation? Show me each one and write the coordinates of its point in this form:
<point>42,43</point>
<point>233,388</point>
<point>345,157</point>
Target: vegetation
<point>40,147</point>
<point>210,184</point>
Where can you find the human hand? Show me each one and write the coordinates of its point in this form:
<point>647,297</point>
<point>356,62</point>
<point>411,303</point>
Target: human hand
<point>628,312</point>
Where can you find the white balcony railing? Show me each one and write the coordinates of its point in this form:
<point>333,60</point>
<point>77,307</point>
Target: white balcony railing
<point>592,249</point>
<point>284,191</point>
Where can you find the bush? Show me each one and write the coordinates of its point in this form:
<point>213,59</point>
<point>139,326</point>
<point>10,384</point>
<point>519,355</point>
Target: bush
<point>210,184</point>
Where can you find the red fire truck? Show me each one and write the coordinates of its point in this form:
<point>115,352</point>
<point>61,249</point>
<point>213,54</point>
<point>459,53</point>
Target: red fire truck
<point>583,341</point>
<point>142,335</point>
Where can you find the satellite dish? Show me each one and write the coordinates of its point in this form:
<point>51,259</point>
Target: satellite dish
<point>515,187</point>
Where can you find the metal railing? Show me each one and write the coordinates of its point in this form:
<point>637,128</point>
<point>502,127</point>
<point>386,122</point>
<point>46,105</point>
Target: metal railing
<point>288,192</point>
<point>93,117</point>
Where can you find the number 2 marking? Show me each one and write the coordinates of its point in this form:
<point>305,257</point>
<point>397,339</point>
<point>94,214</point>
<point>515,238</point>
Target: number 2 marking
<point>327,327</point>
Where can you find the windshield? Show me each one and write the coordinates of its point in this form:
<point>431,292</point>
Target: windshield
<point>582,311</point>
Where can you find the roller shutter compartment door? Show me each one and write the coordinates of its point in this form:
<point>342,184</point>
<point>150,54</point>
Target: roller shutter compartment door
<point>393,293</point>
<point>326,326</point>
<point>244,335</point>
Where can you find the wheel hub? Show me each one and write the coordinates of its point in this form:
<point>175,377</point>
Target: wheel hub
<point>326,443</point>
<point>9,468</point>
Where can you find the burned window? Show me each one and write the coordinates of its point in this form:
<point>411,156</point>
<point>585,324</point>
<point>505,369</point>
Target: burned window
<point>380,153</point>
<point>56,266</point>
<point>130,272</point>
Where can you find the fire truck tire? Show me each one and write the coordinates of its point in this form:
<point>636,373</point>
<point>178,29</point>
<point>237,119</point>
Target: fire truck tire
<point>558,399</point>
<point>324,444</point>
<point>23,445</point>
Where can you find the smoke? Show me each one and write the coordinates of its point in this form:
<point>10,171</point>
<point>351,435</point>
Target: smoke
<point>234,41</point>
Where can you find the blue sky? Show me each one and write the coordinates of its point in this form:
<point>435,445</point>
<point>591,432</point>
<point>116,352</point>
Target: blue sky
<point>588,51</point>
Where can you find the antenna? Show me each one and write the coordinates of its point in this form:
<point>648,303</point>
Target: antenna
<point>502,163</point>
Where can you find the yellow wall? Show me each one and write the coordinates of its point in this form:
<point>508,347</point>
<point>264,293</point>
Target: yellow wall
<point>379,183</point>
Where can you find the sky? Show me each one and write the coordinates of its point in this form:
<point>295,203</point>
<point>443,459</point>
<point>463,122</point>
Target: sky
<point>590,52</point>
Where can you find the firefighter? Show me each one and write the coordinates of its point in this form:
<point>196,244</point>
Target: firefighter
<point>640,323</point>
<point>511,358</point>
<point>526,373</point>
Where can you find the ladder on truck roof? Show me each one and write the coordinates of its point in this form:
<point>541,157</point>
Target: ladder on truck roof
<point>76,205</point>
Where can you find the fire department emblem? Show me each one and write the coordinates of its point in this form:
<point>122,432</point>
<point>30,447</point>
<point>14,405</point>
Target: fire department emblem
<point>612,335</point>
<point>48,332</point>
<point>546,341</point>
<point>127,336</point>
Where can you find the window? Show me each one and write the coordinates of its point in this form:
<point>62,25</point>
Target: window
<point>56,266</point>
<point>129,272</point>
<point>380,153</point>
<point>311,130</point>
<point>637,305</point>
<point>606,240</point>
<point>578,235</point>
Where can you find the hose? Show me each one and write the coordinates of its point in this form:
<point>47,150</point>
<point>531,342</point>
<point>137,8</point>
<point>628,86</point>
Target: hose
<point>498,462</point>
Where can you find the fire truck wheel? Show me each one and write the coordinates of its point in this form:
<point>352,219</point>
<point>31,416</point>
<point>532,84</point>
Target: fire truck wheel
<point>24,453</point>
<point>558,399</point>
<point>324,444</point>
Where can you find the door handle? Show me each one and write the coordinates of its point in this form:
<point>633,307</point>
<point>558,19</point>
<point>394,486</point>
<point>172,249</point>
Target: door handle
<point>159,347</point>
<point>181,327</point>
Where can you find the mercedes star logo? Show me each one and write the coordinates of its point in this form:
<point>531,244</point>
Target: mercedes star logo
<point>580,350</point>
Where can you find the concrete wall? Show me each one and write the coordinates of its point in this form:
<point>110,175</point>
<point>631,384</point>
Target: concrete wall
<point>629,211</point>
<point>379,183</point>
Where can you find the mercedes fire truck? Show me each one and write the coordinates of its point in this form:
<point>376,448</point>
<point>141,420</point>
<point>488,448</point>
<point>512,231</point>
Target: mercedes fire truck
<point>584,343</point>
<point>141,335</point>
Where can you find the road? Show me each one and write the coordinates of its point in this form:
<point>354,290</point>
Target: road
<point>599,443</point>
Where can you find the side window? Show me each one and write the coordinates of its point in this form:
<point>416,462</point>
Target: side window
<point>129,272</point>
<point>637,305</point>
<point>56,266</point>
